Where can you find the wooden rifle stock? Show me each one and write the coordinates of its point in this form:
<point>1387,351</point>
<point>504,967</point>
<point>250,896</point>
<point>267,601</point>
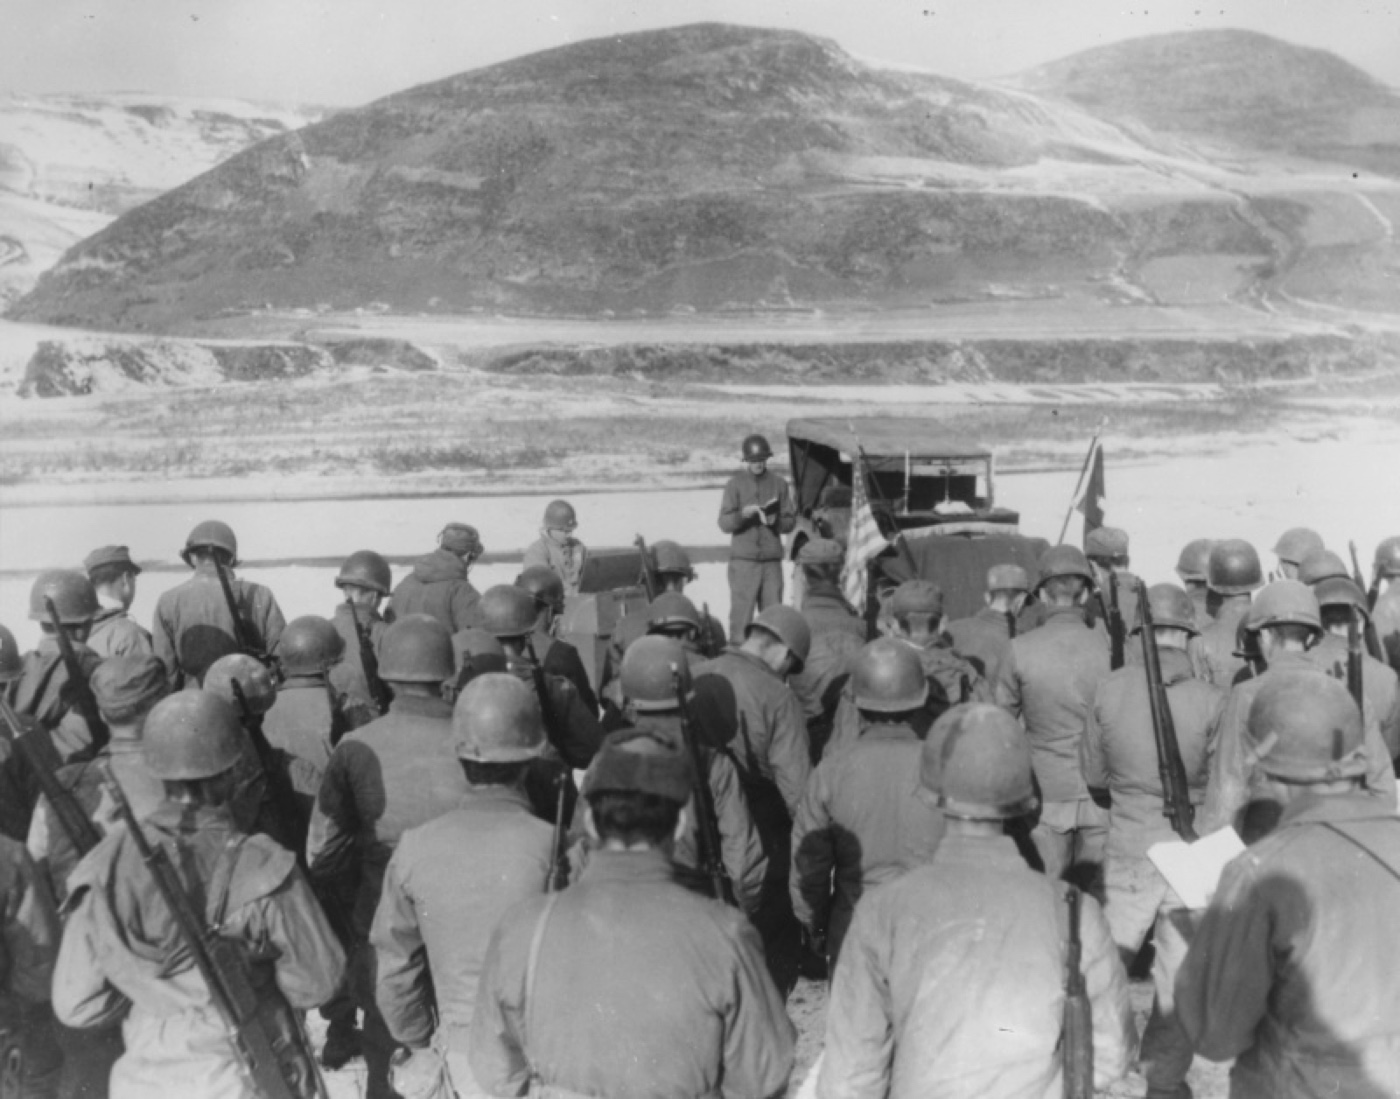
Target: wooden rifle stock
<point>648,577</point>
<point>709,845</point>
<point>83,699</point>
<point>1077,1049</point>
<point>557,876</point>
<point>378,689</point>
<point>1176,791</point>
<point>1117,635</point>
<point>76,824</point>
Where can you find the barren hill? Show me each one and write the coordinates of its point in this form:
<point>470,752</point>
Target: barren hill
<point>706,168</point>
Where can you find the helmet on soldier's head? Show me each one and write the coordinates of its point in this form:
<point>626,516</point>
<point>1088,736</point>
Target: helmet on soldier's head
<point>559,515</point>
<point>366,569</point>
<point>11,667</point>
<point>1194,559</point>
<point>789,627</point>
<point>191,735</point>
<point>1106,542</point>
<point>212,534</point>
<point>1306,728</point>
<point>916,597</point>
<point>507,611</point>
<point>756,449</point>
<point>1341,591</point>
<point>1285,603</point>
<point>888,677</point>
<point>1063,561</point>
<point>496,719</point>
<point>1008,578</point>
<point>416,649</point>
<point>1170,606</point>
<point>671,558</point>
<point>821,551</point>
<point>72,594</point>
<point>543,584</point>
<point>671,611</point>
<point>1322,565</point>
<point>253,679</point>
<point>1387,563</point>
<point>647,672</point>
<point>976,764</point>
<point>1233,568</point>
<point>1297,544</point>
<point>309,645</point>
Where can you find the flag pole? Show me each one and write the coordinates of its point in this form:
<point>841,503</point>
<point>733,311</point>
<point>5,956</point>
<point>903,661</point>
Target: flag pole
<point>1079,486</point>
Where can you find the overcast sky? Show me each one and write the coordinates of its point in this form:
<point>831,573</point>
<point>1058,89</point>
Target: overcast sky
<point>353,51</point>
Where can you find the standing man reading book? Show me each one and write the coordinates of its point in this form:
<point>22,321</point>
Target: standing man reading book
<point>756,512</point>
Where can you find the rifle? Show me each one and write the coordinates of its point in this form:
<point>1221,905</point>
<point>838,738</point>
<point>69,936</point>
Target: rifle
<point>83,699</point>
<point>76,824</point>
<point>557,876</point>
<point>281,798</point>
<point>709,846</point>
<point>1373,592</point>
<point>547,714</point>
<point>1117,635</point>
<point>1176,793</point>
<point>648,578</point>
<point>712,647</point>
<point>378,689</point>
<point>1077,1043</point>
<point>241,633</point>
<point>273,1069</point>
<point>1354,682</point>
<point>339,724</point>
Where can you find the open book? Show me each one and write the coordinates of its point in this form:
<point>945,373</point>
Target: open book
<point>770,511</point>
<point>1194,869</point>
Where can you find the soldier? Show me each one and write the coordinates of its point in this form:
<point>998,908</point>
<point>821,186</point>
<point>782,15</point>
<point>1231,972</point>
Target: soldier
<point>651,706</point>
<point>29,934</point>
<point>824,603</point>
<point>862,821</point>
<point>1107,551</point>
<point>475,651</point>
<point>364,580</point>
<point>556,548</point>
<point>1121,767</point>
<point>451,880</point>
<point>756,510</point>
<point>1322,565</point>
<point>1047,681</point>
<point>982,640</point>
<point>557,657</point>
<point>1232,573</point>
<point>122,951</point>
<point>627,984</point>
<point>193,627</point>
<point>1192,566</point>
<point>674,616</point>
<point>838,634</point>
<point>114,632</point>
<point>1292,971</point>
<point>1338,600</point>
<point>1386,613</point>
<point>41,690</point>
<point>438,585</point>
<point>391,775</point>
<point>1295,546</point>
<point>16,789</point>
<point>1287,622</point>
<point>951,982</point>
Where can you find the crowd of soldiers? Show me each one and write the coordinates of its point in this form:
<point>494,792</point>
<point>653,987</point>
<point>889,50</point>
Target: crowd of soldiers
<point>494,873</point>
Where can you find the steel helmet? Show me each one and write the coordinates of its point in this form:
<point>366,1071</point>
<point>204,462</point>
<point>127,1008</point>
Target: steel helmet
<point>1233,568</point>
<point>1341,591</point>
<point>670,557</point>
<point>1285,603</point>
<point>192,735</point>
<point>1063,561</point>
<point>1008,578</point>
<point>496,719</point>
<point>366,569</point>
<point>1170,606</point>
<point>1106,542</point>
<point>475,642</point>
<point>646,673</point>
<point>976,764</point>
<point>672,611</point>
<point>544,584</point>
<point>559,515</point>
<point>789,627</point>
<point>253,678</point>
<point>1387,562</point>
<point>1297,544</point>
<point>917,597</point>
<point>212,534</point>
<point>309,645</point>
<point>507,611</point>
<point>1305,728</point>
<point>888,677</point>
<point>756,449</point>
<point>1194,559</point>
<point>1322,565</point>
<point>11,667</point>
<point>72,593</point>
<point>416,649</point>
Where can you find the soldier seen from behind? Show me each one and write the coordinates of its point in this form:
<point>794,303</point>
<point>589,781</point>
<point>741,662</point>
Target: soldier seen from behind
<point>1106,549</point>
<point>438,584</point>
<point>838,634</point>
<point>30,1061</point>
<point>952,979</point>
<point>756,510</point>
<point>114,632</point>
<point>1193,566</point>
<point>1385,582</point>
<point>1341,603</point>
<point>557,656</point>
<point>194,625</point>
<point>983,638</point>
<point>1232,574</point>
<point>628,984</point>
<point>1293,547</point>
<point>556,548</point>
<point>43,689</point>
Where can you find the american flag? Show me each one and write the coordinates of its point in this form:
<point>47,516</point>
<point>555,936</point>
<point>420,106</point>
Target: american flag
<point>864,543</point>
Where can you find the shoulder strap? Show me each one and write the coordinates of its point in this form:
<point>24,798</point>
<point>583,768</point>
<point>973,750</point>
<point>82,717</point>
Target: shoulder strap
<point>223,880</point>
<point>1391,870</point>
<point>531,966</point>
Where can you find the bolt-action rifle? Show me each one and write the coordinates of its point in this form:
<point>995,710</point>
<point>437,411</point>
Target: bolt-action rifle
<point>557,876</point>
<point>76,824</point>
<point>1113,619</point>
<point>709,846</point>
<point>552,728</point>
<point>650,583</point>
<point>242,635</point>
<point>1077,1049</point>
<point>84,701</point>
<point>1176,792</point>
<point>266,1035</point>
<point>1373,592</point>
<point>378,689</point>
<point>1354,682</point>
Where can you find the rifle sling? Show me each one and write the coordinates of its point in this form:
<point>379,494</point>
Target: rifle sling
<point>532,969</point>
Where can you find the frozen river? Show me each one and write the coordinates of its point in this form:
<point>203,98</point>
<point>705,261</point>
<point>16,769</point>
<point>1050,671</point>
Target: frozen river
<point>1343,487</point>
